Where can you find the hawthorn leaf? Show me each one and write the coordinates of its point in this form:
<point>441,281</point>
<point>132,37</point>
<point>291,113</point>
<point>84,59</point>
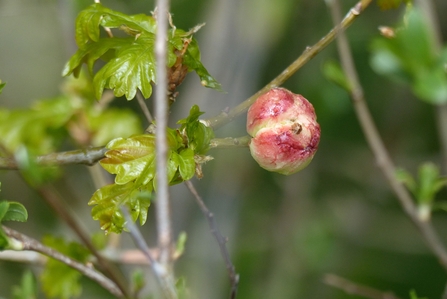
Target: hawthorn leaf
<point>58,279</point>
<point>198,134</point>
<point>16,212</point>
<point>129,157</point>
<point>186,164</point>
<point>334,73</point>
<point>192,60</point>
<point>89,20</point>
<point>109,199</point>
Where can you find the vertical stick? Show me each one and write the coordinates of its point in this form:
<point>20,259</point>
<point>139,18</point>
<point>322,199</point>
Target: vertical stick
<point>161,107</point>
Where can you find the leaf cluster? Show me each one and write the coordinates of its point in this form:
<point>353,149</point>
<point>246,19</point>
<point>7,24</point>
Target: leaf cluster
<point>411,57</point>
<point>429,183</point>
<point>133,162</point>
<point>130,60</point>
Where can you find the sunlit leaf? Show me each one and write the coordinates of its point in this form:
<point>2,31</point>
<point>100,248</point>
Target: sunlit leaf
<point>4,206</point>
<point>58,279</point>
<point>129,157</point>
<point>108,200</point>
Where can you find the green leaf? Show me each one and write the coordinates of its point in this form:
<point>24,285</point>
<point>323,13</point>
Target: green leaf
<point>16,212</point>
<point>59,280</point>
<point>408,180</point>
<point>334,73</point>
<point>417,64</point>
<point>186,164</point>
<point>27,288</point>
<point>192,60</point>
<point>129,158</point>
<point>109,199</point>
<point>4,240</point>
<point>4,206</point>
<point>198,134</point>
<point>413,295</point>
<point>130,61</point>
<point>430,182</point>
<point>2,85</point>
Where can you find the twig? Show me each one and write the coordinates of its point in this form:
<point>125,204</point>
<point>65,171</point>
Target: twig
<point>88,156</point>
<point>352,288</point>
<point>306,56</point>
<point>34,245</point>
<point>161,114</point>
<point>378,148</point>
<point>160,271</point>
<point>142,102</point>
<point>53,199</point>
<point>221,241</point>
<point>230,142</point>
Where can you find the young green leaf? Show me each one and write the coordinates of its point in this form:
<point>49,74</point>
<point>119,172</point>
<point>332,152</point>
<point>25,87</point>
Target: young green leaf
<point>27,288</point>
<point>16,212</point>
<point>58,279</point>
<point>389,4</point>
<point>129,158</point>
<point>109,199</point>
<point>334,73</point>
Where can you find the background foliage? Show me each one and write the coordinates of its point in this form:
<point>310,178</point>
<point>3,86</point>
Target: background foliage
<point>337,216</point>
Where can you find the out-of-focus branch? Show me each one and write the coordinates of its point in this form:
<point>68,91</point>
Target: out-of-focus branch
<point>166,282</point>
<point>230,142</point>
<point>221,241</point>
<point>356,289</point>
<point>163,215</point>
<point>306,56</point>
<point>378,148</point>
<point>88,156</point>
<point>34,245</point>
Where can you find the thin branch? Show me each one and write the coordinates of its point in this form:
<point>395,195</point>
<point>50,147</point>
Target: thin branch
<point>378,148</point>
<point>230,142</point>
<point>306,56</point>
<point>161,114</point>
<point>34,245</point>
<point>352,288</point>
<point>88,156</point>
<point>142,102</point>
<point>221,241</point>
<point>160,271</point>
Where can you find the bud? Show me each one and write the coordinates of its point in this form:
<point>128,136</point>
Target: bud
<point>285,131</point>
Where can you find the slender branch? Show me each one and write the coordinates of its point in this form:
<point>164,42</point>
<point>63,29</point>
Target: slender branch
<point>306,56</point>
<point>142,102</point>
<point>352,288</point>
<point>161,115</point>
<point>378,148</point>
<point>230,142</point>
<point>34,245</point>
<point>160,271</point>
<point>88,156</point>
<point>221,241</point>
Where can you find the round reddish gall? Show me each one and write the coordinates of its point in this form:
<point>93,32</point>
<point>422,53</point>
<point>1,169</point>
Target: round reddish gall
<point>284,130</point>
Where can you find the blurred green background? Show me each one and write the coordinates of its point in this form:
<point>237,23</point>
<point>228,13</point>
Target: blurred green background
<point>284,232</point>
